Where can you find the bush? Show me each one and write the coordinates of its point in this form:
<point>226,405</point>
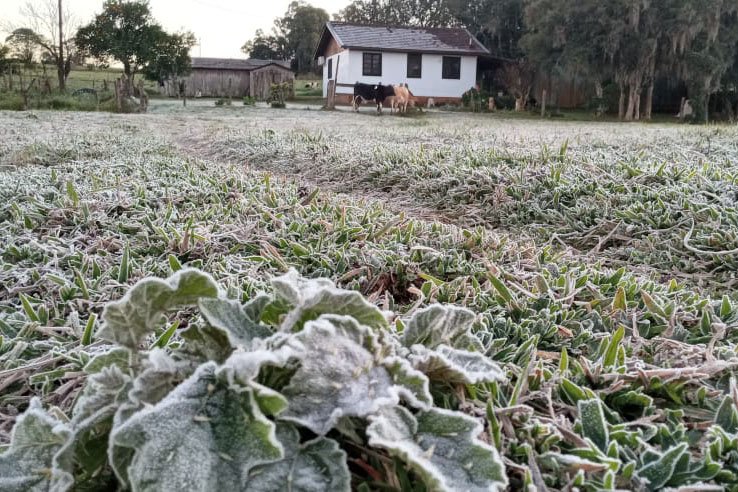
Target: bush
<point>278,94</point>
<point>505,101</point>
<point>475,99</point>
<point>223,102</point>
<point>249,101</point>
<point>11,102</point>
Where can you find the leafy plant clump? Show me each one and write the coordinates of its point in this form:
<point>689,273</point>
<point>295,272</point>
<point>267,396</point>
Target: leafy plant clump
<point>285,389</point>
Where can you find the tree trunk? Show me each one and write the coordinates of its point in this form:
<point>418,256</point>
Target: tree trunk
<point>543,104</point>
<point>631,103</point>
<point>599,91</point>
<point>637,104</point>
<point>621,102</point>
<point>60,56</point>
<point>648,103</point>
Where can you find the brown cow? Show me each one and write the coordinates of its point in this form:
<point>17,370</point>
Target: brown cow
<point>402,98</point>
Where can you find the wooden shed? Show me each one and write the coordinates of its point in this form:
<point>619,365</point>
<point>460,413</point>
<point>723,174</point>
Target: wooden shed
<point>231,77</point>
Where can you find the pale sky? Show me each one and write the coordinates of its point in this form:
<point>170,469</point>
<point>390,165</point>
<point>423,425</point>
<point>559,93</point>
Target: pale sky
<point>222,26</point>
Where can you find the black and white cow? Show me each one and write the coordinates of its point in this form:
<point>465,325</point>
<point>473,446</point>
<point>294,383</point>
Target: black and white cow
<point>371,92</point>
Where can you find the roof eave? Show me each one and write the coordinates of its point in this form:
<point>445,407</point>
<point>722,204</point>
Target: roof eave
<point>429,52</point>
<point>327,28</point>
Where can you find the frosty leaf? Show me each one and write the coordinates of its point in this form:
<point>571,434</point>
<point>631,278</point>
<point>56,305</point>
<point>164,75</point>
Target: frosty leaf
<point>338,376</point>
<point>203,436</point>
<point>314,297</point>
<point>436,325</point>
<point>243,368</point>
<point>114,357</point>
<point>412,384</point>
<point>254,308</point>
<point>594,425</point>
<point>231,318</point>
<point>455,366</point>
<point>104,393</point>
<point>150,387</point>
<point>726,415</point>
<point>130,319</point>
<point>27,464</point>
<point>316,466</point>
<point>657,473</point>
<point>290,286</point>
<point>575,462</point>
<point>441,447</point>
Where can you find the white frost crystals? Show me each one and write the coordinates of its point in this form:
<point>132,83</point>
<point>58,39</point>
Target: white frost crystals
<point>282,390</point>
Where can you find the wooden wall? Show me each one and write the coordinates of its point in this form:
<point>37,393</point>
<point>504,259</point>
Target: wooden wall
<point>233,83</point>
<point>213,83</point>
<point>263,78</point>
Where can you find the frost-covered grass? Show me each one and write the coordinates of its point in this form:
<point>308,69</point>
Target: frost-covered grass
<point>596,258</point>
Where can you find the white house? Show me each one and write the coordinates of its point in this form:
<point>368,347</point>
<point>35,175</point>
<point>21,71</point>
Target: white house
<point>438,63</point>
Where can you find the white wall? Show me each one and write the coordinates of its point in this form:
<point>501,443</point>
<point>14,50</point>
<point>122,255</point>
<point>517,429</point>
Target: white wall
<point>394,71</point>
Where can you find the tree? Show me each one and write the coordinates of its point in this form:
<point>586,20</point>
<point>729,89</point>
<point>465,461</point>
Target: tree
<point>265,47</point>
<point>293,37</point>
<point>498,24</point>
<point>22,43</point>
<point>171,58</point>
<point>49,26</point>
<point>421,13</point>
<point>126,32</point>
<point>301,28</point>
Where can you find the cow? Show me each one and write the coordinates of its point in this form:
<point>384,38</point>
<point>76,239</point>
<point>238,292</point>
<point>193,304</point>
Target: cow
<point>371,92</point>
<point>402,98</point>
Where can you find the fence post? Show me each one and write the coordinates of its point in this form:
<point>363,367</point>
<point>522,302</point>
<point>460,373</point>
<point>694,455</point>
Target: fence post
<point>330,102</point>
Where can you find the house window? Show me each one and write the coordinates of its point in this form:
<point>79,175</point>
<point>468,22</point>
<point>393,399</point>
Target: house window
<point>372,65</point>
<point>451,67</point>
<point>414,65</point>
<point>330,68</point>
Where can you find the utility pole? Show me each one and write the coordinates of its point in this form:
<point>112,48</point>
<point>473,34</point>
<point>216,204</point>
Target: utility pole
<point>60,65</point>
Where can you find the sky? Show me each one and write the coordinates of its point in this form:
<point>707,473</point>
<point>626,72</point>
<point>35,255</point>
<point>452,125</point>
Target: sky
<point>221,26</point>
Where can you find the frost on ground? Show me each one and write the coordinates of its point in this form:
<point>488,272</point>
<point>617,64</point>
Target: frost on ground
<point>597,261</point>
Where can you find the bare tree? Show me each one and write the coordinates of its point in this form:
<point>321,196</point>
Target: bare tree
<point>517,78</point>
<point>54,26</point>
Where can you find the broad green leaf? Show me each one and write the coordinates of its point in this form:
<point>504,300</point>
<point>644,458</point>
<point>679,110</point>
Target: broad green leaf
<point>653,306</point>
<point>441,446</point>
<point>130,319</point>
<point>28,463</point>
<point>620,300</point>
<point>339,375</point>
<point>114,357</point>
<point>242,369</point>
<point>594,425</point>
<point>575,462</point>
<point>105,391</point>
<point>727,416</point>
<point>205,435</point>
<point>315,466</point>
<point>155,381</point>
<point>230,317</point>
<point>609,358</point>
<point>436,325</point>
<point>311,298</point>
<point>412,384</point>
<point>658,472</point>
<point>455,366</point>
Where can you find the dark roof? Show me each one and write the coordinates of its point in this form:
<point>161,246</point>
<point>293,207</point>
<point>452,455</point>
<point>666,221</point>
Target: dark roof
<point>235,63</point>
<point>437,40</point>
